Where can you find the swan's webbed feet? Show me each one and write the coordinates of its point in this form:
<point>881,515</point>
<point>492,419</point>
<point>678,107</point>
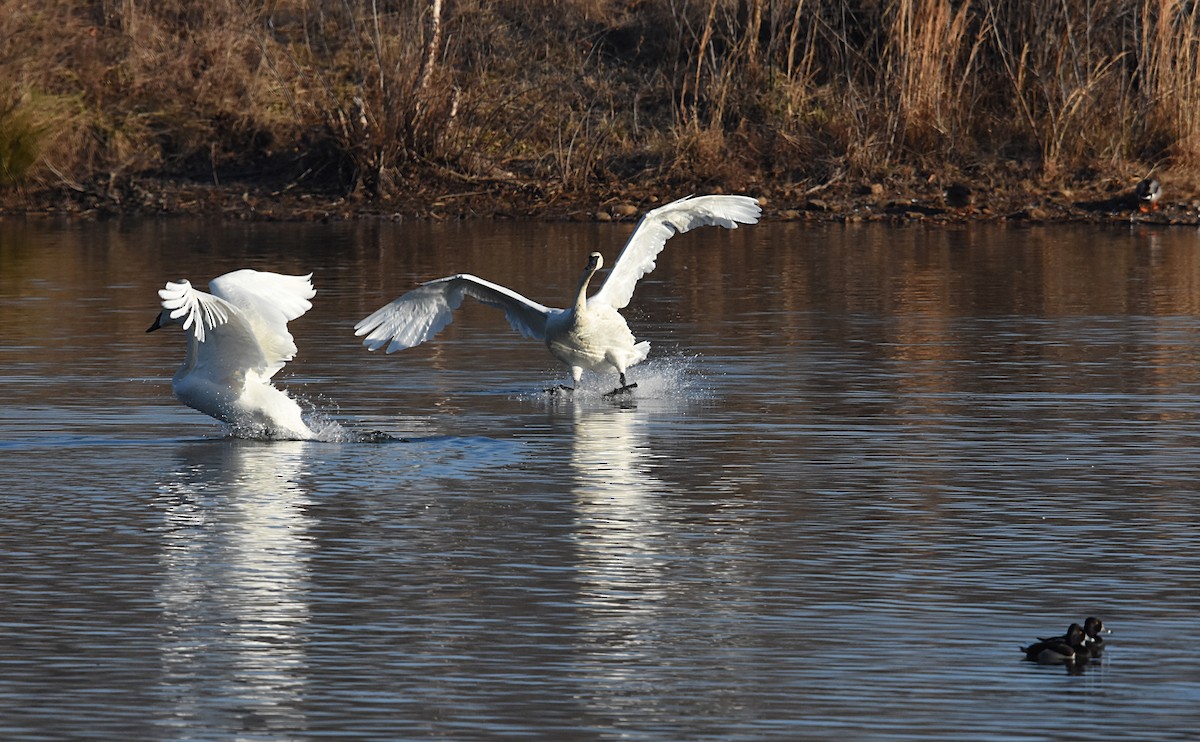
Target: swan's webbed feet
<point>560,389</point>
<point>621,390</point>
<point>378,436</point>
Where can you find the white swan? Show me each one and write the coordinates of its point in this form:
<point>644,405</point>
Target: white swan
<point>237,338</point>
<point>591,334</point>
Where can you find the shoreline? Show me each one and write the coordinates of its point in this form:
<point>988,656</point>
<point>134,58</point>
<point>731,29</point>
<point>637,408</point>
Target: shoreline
<point>902,201</point>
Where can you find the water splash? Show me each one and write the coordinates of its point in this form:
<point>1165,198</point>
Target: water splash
<point>671,379</point>
<point>321,420</point>
<point>329,430</point>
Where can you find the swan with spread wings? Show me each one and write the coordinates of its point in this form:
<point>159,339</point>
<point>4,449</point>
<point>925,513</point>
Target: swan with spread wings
<point>237,339</point>
<point>591,334</point>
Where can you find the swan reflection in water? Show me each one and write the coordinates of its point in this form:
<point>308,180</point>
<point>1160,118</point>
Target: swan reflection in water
<point>650,568</point>
<point>619,537</point>
<point>233,597</point>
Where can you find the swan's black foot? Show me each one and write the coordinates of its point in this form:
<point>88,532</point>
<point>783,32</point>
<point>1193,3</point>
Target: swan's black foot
<point>622,390</point>
<point>560,389</point>
<point>378,436</point>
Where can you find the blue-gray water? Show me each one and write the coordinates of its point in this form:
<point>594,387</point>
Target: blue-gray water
<point>863,465</point>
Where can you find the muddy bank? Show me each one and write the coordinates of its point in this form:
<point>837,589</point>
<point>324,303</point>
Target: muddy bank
<point>898,199</point>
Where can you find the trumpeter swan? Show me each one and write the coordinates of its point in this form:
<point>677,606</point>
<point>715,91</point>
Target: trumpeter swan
<point>591,334</point>
<point>237,339</point>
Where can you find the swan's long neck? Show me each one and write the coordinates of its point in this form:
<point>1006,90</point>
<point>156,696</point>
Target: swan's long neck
<point>594,263</point>
<point>189,360</point>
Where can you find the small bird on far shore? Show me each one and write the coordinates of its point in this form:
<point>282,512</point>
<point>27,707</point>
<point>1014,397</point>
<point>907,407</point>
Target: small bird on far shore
<point>959,196</point>
<point>1148,191</point>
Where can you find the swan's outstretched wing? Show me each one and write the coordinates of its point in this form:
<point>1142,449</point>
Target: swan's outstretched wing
<point>227,346</point>
<point>199,312</point>
<point>268,301</point>
<point>423,312</point>
<point>658,226</point>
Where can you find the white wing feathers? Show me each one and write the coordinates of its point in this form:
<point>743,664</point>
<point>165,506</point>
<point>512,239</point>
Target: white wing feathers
<point>253,306</point>
<point>426,310</point>
<point>201,312</point>
<point>267,301</point>
<point>658,226</point>
<point>274,297</point>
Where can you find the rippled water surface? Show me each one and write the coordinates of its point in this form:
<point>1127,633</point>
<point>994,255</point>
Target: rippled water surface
<point>862,466</point>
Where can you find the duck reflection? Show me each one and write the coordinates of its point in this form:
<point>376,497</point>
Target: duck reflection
<point>233,598</point>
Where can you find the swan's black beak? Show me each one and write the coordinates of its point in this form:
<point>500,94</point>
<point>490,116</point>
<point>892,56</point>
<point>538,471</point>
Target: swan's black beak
<point>157,324</point>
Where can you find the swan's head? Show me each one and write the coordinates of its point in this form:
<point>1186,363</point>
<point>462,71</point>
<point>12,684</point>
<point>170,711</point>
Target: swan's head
<point>184,306</point>
<point>162,320</point>
<point>172,297</point>
<point>595,262</point>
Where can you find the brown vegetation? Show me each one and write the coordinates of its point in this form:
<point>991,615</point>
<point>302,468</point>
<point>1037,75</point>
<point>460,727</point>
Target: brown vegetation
<point>382,103</point>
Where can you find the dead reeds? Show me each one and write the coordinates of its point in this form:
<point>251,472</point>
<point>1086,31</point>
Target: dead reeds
<point>928,70</point>
<point>1169,49</point>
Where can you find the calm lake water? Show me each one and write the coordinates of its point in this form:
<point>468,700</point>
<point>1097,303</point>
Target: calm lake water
<point>863,465</point>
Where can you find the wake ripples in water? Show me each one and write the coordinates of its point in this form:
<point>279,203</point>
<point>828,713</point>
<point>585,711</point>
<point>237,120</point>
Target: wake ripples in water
<point>858,476</point>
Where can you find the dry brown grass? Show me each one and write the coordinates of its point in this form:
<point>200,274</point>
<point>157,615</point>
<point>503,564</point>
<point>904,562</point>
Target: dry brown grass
<point>361,96</point>
<point>1170,53</point>
<point>929,59</point>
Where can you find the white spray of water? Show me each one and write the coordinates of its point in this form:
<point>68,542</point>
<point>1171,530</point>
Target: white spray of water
<point>661,380</point>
